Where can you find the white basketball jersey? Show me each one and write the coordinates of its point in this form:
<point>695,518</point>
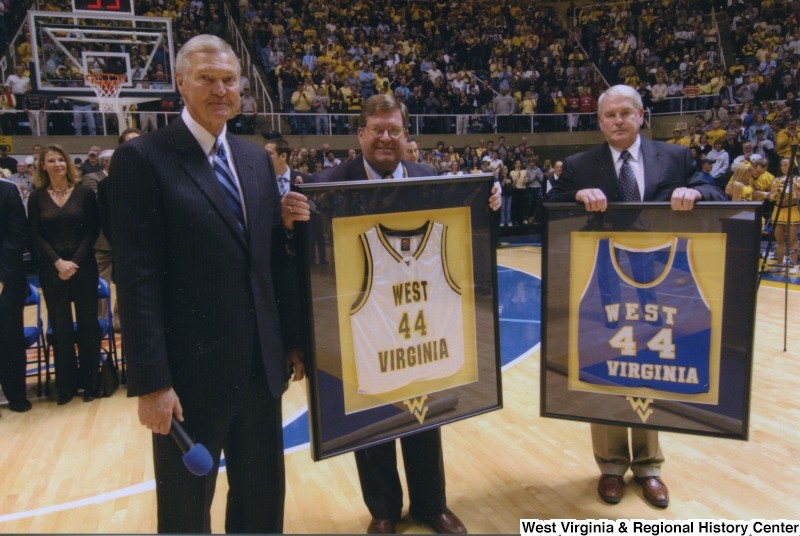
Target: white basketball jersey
<point>407,324</point>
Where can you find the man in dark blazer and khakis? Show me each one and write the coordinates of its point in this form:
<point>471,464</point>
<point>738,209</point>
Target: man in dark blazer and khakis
<point>210,318</point>
<point>382,135</point>
<point>629,168</point>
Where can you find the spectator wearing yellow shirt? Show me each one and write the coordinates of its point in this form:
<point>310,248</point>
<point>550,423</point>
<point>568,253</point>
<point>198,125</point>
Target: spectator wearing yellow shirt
<point>527,107</point>
<point>301,102</point>
<point>750,182</point>
<point>716,132</point>
<point>786,138</point>
<point>678,138</point>
<point>785,216</point>
<point>762,179</point>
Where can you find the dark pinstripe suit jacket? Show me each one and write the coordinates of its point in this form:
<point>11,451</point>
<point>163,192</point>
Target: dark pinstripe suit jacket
<point>194,289</point>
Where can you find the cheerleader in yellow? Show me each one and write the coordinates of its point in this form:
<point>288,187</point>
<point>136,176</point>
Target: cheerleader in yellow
<point>788,216</point>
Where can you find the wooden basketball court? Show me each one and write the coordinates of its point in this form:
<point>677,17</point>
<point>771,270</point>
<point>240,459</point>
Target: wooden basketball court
<point>87,467</point>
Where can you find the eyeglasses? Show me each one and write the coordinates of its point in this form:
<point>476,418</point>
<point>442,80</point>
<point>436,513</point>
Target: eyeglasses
<point>395,132</point>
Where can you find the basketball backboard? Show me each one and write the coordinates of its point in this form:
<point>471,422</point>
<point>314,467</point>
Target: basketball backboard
<point>67,46</point>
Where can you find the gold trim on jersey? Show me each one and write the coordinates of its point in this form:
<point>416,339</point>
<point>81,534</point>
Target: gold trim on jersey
<point>446,265</point>
<point>672,243</point>
<point>420,248</point>
<point>694,273</point>
<point>359,303</point>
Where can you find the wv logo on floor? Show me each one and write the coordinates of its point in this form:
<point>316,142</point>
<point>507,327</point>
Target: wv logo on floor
<point>417,407</point>
<point>641,407</point>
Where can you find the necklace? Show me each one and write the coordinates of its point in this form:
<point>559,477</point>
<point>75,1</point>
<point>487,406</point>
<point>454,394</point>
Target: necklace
<point>60,193</point>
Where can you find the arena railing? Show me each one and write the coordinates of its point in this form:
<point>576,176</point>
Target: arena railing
<point>11,52</point>
<point>257,85</point>
<point>295,123</point>
<point>343,123</point>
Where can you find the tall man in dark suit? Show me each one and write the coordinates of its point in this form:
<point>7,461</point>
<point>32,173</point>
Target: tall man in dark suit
<point>632,169</point>
<point>382,137</point>
<point>13,290</point>
<point>200,257</point>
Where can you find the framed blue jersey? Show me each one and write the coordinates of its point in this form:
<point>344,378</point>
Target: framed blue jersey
<point>648,315</point>
<point>643,320</point>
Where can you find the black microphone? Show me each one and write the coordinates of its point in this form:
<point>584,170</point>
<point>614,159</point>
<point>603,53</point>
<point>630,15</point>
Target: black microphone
<point>196,457</point>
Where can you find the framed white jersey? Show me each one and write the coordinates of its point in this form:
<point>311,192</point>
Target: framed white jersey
<point>402,319</point>
<point>407,324</point>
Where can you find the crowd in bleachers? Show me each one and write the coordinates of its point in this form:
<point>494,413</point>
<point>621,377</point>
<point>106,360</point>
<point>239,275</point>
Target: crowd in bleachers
<point>482,60</point>
<point>486,67</point>
<point>25,110</point>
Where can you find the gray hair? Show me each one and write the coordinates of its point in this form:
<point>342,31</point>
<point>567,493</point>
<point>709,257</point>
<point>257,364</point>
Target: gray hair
<point>204,43</point>
<point>105,156</point>
<point>621,90</point>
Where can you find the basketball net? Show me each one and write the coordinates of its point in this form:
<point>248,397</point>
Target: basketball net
<point>107,87</point>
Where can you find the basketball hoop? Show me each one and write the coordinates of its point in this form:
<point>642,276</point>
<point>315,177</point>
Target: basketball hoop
<point>107,87</point>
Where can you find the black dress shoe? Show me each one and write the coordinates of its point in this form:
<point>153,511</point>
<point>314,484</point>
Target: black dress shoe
<point>20,406</point>
<point>445,523</point>
<point>88,396</point>
<point>64,399</point>
<point>382,526</point>
<point>610,488</point>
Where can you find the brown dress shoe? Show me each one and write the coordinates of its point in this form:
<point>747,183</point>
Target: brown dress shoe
<point>445,523</point>
<point>610,488</point>
<point>655,491</point>
<point>382,526</point>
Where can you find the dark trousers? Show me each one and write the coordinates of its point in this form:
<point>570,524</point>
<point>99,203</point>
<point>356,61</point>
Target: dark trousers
<point>82,290</point>
<point>253,444</point>
<point>424,464</point>
<point>317,237</point>
<point>519,205</point>
<point>12,353</point>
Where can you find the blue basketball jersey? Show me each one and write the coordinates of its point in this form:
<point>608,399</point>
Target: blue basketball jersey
<point>643,320</point>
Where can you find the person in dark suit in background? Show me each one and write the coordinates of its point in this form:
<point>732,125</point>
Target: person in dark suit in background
<point>630,168</point>
<point>13,291</point>
<point>382,135</point>
<point>208,303</point>
<point>102,247</point>
<point>280,151</point>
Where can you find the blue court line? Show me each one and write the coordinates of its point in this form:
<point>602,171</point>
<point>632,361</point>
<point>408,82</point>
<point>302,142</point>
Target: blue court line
<point>520,335</point>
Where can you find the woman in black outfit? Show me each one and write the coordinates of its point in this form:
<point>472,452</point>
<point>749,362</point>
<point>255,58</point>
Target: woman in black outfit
<point>64,225</point>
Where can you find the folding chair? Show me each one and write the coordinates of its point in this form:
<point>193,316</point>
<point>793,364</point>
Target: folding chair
<point>107,323</point>
<point>34,335</point>
<point>107,334</point>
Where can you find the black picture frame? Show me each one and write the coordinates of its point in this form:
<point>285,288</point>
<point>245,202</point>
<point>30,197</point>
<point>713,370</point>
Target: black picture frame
<point>363,388</point>
<point>701,298</point>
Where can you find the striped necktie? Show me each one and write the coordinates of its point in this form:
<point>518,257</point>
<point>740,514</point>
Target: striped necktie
<point>283,185</point>
<point>226,178</point>
<point>627,180</point>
